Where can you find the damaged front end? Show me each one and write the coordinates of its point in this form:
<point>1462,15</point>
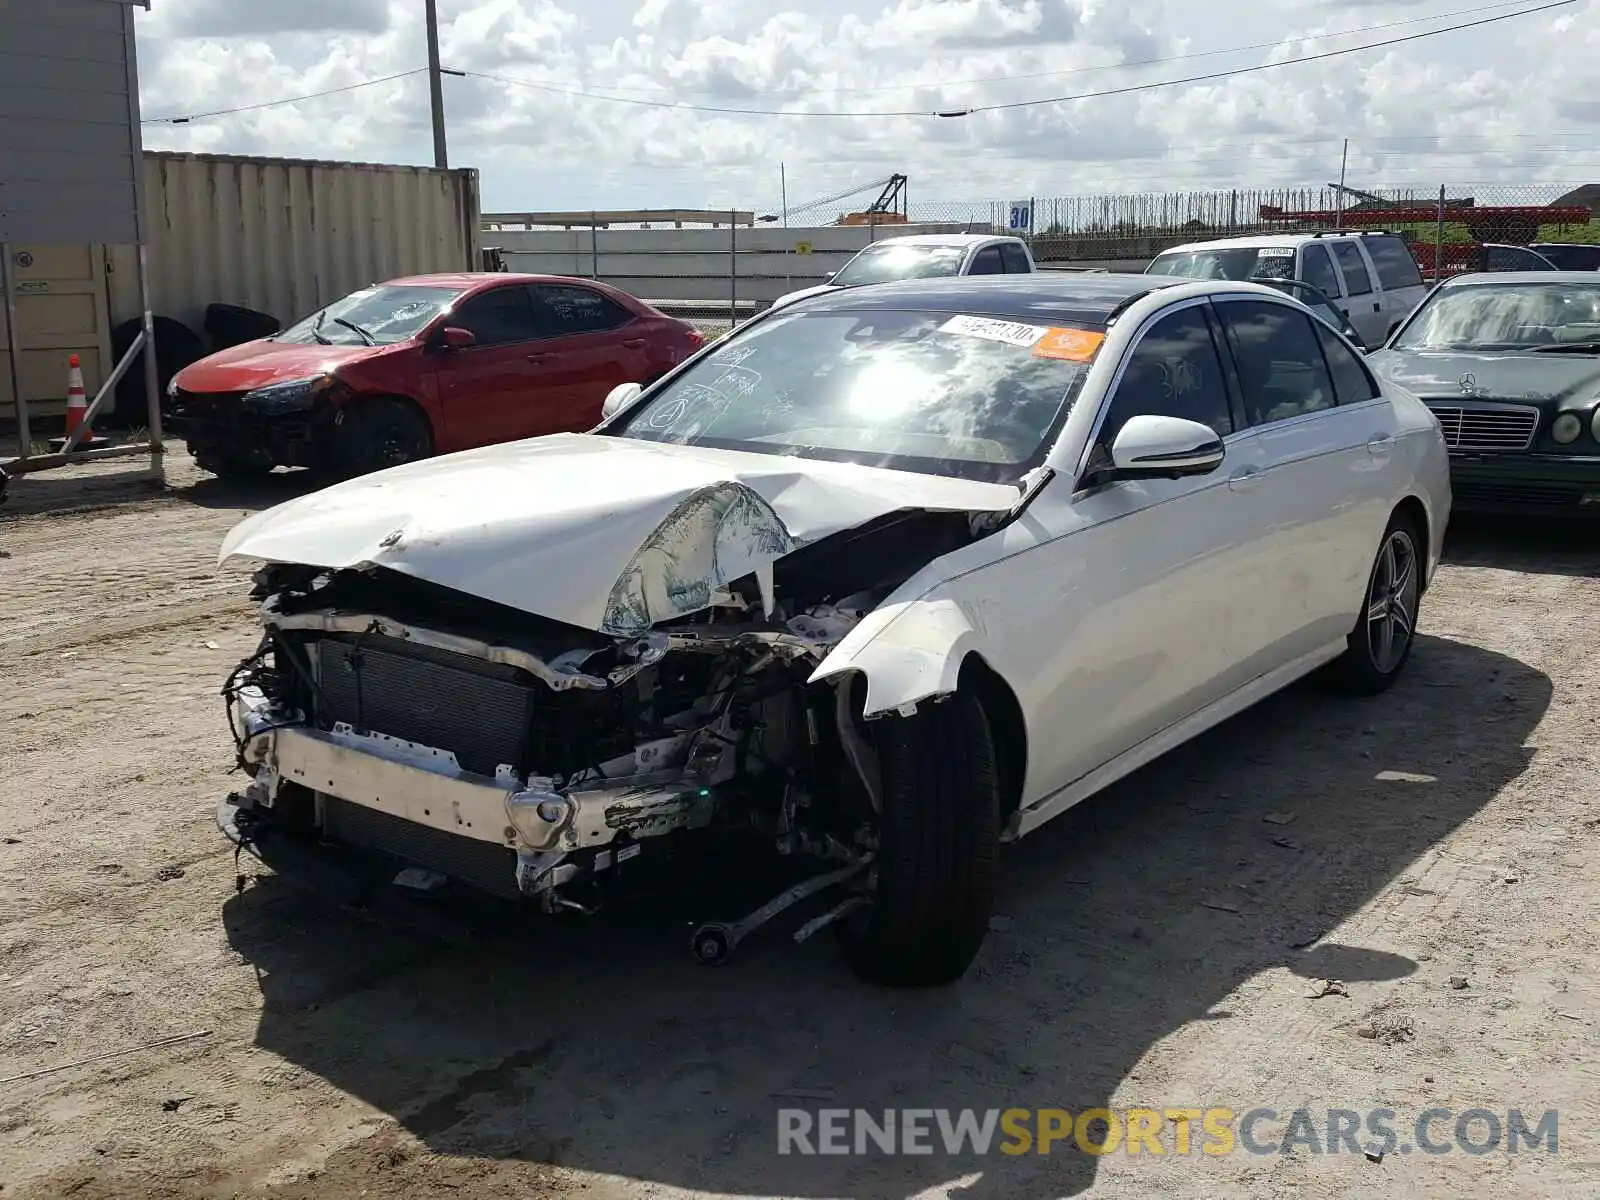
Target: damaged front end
<point>531,758</point>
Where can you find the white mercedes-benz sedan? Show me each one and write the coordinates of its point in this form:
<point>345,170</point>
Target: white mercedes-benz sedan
<point>886,578</point>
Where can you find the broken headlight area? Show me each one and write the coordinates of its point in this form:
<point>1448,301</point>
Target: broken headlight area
<point>529,757</point>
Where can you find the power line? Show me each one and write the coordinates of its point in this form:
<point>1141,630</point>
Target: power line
<point>600,89</point>
<point>728,110</point>
<point>244,108</point>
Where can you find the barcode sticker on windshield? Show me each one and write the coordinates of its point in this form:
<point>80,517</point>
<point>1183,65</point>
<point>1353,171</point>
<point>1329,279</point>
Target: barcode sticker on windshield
<point>1275,252</point>
<point>1013,333</point>
<point>1070,345</point>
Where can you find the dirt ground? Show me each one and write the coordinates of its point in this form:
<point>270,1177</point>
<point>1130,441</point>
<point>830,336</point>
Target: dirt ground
<point>1437,844</point>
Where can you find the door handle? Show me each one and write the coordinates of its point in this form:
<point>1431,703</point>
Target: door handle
<point>1244,479</point>
<point>1379,445</point>
<point>636,343</point>
<point>1377,306</point>
<point>541,356</point>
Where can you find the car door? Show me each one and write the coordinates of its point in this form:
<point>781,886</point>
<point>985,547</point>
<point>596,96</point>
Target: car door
<point>1147,610</point>
<point>1398,274</point>
<point>486,389</point>
<point>1323,466</point>
<point>591,344</point>
<point>1363,301</point>
<point>1317,269</point>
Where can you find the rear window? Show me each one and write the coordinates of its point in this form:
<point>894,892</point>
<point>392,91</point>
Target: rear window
<point>896,260</point>
<point>1231,262</point>
<point>1396,268</point>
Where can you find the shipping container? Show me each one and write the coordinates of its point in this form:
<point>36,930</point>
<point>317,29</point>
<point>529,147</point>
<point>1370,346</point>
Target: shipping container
<point>282,236</point>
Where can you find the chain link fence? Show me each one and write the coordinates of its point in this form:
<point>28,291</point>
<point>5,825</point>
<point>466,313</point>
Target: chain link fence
<point>719,268</point>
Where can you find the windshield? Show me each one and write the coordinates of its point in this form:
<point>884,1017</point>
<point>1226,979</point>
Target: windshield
<point>1234,262</point>
<point>972,396</point>
<point>896,260</point>
<point>374,316</point>
<point>1505,316</point>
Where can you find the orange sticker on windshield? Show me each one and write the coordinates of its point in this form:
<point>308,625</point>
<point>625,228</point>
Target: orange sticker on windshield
<point>1073,345</point>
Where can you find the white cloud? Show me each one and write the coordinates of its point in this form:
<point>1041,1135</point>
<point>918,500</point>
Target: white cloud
<point>1511,102</point>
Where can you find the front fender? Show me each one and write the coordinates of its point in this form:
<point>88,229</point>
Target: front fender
<point>907,651</point>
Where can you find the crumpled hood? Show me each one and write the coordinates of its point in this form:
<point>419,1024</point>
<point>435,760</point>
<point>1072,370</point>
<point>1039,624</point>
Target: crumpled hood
<point>1541,378</point>
<point>607,533</point>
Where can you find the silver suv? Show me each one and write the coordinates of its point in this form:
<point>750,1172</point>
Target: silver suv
<point>1370,276</point>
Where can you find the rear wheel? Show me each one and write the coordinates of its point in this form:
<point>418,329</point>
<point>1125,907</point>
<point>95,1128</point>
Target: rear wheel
<point>1380,644</point>
<point>939,843</point>
<point>373,435</point>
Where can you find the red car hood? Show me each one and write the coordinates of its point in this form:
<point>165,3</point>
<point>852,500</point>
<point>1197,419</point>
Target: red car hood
<point>256,364</point>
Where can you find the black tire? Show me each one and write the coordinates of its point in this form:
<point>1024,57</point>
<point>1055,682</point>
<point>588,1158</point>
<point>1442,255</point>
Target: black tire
<point>227,466</point>
<point>1370,664</point>
<point>233,325</point>
<point>939,847</point>
<point>176,347</point>
<point>374,435</point>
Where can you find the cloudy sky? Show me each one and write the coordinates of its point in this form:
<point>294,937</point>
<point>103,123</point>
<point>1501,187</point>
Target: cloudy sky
<point>581,103</point>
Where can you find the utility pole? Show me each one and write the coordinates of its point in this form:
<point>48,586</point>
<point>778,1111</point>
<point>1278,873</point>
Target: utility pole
<point>441,156</point>
<point>783,194</point>
<point>1338,210</point>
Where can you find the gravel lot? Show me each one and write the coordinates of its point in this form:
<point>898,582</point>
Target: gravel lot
<point>1146,955</point>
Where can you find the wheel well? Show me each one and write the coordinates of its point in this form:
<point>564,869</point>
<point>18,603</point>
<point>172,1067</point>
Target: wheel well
<point>1006,725</point>
<point>404,402</point>
<point>1411,510</point>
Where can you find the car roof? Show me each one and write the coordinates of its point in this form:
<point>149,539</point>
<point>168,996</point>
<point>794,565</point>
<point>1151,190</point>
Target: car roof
<point>1081,296</point>
<point>467,279</point>
<point>940,239</point>
<point>1485,277</point>
<point>1247,240</point>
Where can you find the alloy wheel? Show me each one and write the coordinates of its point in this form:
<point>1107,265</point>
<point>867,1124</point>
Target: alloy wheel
<point>1392,600</point>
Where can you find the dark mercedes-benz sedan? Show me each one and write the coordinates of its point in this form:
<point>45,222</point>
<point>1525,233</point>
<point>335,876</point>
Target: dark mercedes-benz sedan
<point>1510,364</point>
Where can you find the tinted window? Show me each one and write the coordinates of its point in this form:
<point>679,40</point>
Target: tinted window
<point>1015,259</point>
<point>1513,258</point>
<point>1351,381</point>
<point>987,262</point>
<point>980,397</point>
<point>1316,268</point>
<point>579,310</point>
<point>1571,258</point>
<point>1174,371</point>
<point>1357,281</point>
<point>1393,262</point>
<point>1281,369</point>
<point>503,315</point>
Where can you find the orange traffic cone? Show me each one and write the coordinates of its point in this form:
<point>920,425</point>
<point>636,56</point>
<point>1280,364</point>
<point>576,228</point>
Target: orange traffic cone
<point>77,402</point>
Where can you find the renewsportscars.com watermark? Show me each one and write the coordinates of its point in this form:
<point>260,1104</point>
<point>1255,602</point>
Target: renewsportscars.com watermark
<point>1162,1131</point>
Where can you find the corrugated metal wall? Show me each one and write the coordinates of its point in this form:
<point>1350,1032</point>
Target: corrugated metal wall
<point>287,236</point>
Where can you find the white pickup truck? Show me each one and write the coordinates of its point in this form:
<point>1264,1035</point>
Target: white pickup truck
<point>922,255</point>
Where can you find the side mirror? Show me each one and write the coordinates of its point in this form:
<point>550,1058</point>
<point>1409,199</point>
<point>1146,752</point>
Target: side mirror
<point>830,274</point>
<point>453,337</point>
<point>1149,446</point>
<point>619,398</point>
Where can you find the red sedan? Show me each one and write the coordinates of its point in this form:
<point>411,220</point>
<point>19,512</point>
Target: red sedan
<point>419,366</point>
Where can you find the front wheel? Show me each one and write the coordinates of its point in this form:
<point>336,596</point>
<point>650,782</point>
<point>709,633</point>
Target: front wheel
<point>373,435</point>
<point>938,849</point>
<point>1380,644</point>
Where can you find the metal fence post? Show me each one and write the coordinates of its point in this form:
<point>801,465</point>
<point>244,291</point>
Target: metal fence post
<point>1438,239</point>
<point>594,244</point>
<point>733,268</point>
<point>14,347</point>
